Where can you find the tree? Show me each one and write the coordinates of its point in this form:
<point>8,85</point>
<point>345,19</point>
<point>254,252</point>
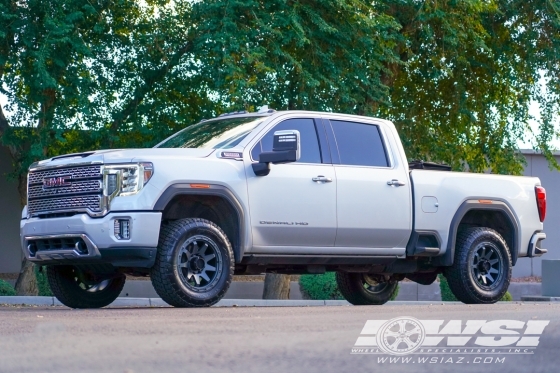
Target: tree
<point>457,77</point>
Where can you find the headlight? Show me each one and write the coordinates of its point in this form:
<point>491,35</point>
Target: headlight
<point>126,179</point>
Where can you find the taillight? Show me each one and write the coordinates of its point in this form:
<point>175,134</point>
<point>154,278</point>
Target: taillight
<point>541,201</point>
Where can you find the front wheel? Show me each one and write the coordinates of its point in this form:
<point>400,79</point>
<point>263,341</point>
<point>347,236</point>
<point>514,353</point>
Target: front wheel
<point>77,288</point>
<point>364,289</point>
<point>194,263</point>
<point>481,271</point>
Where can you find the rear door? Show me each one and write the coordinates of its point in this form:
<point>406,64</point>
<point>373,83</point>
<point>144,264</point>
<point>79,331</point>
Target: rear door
<point>374,207</point>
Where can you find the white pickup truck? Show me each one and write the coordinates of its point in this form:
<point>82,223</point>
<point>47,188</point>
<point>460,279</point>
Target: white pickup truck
<point>285,192</point>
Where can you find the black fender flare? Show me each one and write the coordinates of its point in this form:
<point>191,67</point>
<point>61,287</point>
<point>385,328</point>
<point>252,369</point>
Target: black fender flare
<point>474,204</point>
<point>213,190</point>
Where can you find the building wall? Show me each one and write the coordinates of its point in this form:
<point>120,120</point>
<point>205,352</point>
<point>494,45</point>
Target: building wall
<point>537,166</point>
<point>10,213</point>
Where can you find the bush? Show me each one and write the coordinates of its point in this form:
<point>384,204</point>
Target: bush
<point>323,287</point>
<point>42,282</point>
<point>6,289</point>
<point>447,295</point>
<point>507,297</point>
<point>319,287</point>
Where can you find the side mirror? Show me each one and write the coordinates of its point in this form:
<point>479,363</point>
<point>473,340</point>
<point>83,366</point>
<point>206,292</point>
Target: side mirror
<point>285,149</point>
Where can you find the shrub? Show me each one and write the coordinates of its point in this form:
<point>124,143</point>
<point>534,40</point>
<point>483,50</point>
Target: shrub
<point>447,295</point>
<point>323,287</point>
<point>6,289</point>
<point>507,297</point>
<point>42,282</point>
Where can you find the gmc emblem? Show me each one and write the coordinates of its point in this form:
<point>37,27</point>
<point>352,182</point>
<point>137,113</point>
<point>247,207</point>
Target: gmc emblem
<point>56,182</point>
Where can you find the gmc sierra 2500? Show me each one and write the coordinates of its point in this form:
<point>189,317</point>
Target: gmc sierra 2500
<point>285,192</point>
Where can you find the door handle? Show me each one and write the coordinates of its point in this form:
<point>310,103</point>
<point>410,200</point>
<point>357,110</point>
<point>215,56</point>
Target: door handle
<point>322,179</point>
<point>395,182</point>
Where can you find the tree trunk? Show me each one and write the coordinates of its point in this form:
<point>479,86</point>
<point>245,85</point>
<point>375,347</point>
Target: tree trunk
<point>276,286</point>
<point>27,281</point>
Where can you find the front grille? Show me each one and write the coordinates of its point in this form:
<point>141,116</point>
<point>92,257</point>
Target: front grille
<point>81,190</point>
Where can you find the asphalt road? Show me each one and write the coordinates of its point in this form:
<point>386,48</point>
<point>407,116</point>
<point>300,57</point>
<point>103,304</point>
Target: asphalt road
<point>283,339</point>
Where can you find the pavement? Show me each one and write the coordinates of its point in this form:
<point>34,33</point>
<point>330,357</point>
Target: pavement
<point>269,339</point>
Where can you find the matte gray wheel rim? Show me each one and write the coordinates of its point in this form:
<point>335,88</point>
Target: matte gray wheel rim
<point>487,266</point>
<point>371,285</point>
<point>199,263</point>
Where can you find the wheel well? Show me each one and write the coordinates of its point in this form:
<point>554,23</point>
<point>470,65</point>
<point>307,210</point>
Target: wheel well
<point>496,220</point>
<point>214,208</point>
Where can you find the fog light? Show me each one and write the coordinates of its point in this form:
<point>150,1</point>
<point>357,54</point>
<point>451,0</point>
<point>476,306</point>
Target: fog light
<point>122,229</point>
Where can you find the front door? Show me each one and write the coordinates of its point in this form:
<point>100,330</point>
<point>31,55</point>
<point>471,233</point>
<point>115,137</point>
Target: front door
<point>294,206</point>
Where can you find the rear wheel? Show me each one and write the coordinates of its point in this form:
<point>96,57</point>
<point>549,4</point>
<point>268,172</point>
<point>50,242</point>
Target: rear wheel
<point>481,270</point>
<point>194,263</point>
<point>77,288</point>
<point>364,289</point>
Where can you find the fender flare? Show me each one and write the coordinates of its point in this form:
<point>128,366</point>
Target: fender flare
<point>473,204</point>
<point>214,190</point>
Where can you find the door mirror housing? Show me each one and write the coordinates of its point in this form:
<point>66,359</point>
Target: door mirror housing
<point>285,149</point>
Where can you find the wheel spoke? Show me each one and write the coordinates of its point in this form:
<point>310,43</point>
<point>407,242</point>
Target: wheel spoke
<point>489,253</point>
<point>209,257</point>
<point>489,277</point>
<point>209,268</point>
<point>494,261</point>
<point>197,278</point>
<point>493,270</point>
<point>483,279</point>
<point>205,276</point>
<point>416,330</point>
<point>396,344</point>
<point>402,326</point>
<point>183,265</point>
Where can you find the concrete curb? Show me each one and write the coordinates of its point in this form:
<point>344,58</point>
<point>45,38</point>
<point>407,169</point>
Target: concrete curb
<point>537,298</point>
<point>158,302</point>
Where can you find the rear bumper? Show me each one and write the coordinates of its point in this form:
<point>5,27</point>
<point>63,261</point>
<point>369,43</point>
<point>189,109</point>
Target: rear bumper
<point>81,239</point>
<point>535,248</point>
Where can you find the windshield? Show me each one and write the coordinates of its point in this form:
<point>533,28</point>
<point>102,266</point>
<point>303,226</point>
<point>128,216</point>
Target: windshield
<point>221,134</point>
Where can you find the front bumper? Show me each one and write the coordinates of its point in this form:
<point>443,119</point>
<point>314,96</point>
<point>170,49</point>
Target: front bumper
<point>81,239</point>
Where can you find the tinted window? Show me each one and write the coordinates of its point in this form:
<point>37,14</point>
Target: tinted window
<point>359,144</point>
<point>308,140</point>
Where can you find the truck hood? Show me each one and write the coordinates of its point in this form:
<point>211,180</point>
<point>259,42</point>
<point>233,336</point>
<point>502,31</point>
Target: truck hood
<point>122,156</point>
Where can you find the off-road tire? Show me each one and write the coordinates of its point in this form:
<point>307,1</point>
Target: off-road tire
<point>71,292</point>
<point>461,276</point>
<point>353,289</point>
<point>170,281</point>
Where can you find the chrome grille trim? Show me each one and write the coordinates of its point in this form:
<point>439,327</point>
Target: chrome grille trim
<point>77,187</point>
<point>84,194</point>
<point>85,172</point>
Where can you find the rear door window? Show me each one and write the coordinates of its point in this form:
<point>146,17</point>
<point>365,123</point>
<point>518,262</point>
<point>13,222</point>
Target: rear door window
<point>359,144</point>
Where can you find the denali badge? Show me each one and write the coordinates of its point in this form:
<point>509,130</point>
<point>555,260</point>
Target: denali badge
<point>56,182</point>
<point>283,222</point>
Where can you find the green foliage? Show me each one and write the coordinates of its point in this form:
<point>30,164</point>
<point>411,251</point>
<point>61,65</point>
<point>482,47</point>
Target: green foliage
<point>507,297</point>
<point>324,287</point>
<point>6,289</point>
<point>446,293</point>
<point>42,282</point>
<point>319,287</point>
